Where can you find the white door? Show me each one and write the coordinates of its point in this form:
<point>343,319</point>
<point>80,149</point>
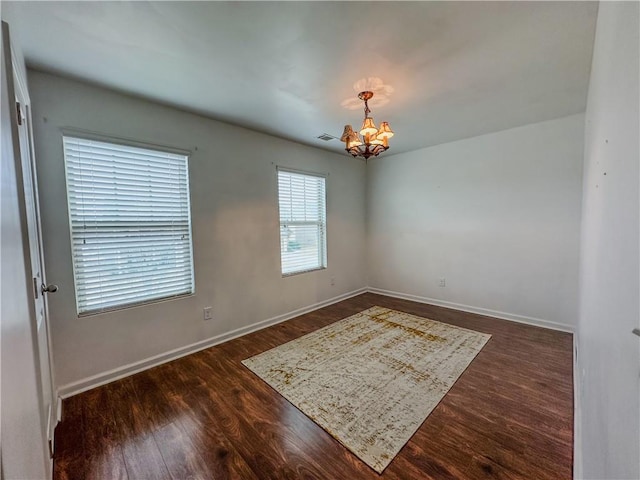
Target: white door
<point>40,288</point>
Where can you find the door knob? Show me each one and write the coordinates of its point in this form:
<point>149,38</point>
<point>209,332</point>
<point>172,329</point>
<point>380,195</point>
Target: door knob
<point>49,288</point>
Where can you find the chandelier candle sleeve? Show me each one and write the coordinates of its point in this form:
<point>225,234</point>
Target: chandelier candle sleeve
<point>374,141</point>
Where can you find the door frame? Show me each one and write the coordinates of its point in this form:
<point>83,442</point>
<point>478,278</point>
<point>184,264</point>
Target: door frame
<point>21,92</point>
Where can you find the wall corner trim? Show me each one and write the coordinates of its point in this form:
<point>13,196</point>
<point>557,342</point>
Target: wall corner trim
<point>577,413</point>
<point>74,388</point>
<point>537,322</point>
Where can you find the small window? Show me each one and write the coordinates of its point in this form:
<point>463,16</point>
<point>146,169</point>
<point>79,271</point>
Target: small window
<point>130,224</point>
<point>303,213</point>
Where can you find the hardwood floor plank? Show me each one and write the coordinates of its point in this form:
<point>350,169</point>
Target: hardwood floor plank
<point>267,461</point>
<point>214,451</point>
<point>103,452</point>
<point>221,457</point>
<point>70,450</point>
<point>142,457</point>
<point>270,432</point>
<point>152,400</point>
<point>509,415</point>
<point>131,419</point>
<point>182,459</point>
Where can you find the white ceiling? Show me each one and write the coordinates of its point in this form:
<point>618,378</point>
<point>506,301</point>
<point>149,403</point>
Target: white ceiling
<point>458,69</point>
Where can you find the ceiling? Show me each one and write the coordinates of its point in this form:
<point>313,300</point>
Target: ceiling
<point>456,69</point>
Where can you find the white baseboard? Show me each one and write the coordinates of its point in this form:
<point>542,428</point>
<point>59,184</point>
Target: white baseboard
<point>577,413</point>
<point>93,381</point>
<point>88,383</point>
<point>538,322</point>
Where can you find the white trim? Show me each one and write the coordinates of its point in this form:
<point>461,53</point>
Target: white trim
<point>20,80</point>
<point>577,413</point>
<point>59,411</point>
<point>123,141</point>
<point>282,168</point>
<point>49,429</point>
<point>93,381</point>
<point>538,322</point>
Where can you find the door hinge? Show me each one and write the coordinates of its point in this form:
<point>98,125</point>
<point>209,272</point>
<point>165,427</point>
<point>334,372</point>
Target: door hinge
<point>19,113</point>
<point>35,288</point>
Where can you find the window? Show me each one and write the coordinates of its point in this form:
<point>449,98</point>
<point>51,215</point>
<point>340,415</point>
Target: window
<point>303,243</point>
<point>130,224</point>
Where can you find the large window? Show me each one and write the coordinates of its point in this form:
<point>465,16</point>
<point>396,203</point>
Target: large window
<point>303,242</point>
<point>130,224</point>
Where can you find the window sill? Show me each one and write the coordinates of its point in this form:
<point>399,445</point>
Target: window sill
<point>300,272</point>
<point>129,306</point>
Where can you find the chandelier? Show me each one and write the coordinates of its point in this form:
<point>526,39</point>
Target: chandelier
<point>374,141</point>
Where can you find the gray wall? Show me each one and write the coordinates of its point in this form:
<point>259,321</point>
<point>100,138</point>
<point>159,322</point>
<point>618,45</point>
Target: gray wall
<point>497,215</point>
<point>234,221</point>
<point>608,354</point>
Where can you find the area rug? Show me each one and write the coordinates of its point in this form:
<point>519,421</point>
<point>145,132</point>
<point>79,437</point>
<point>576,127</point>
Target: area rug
<point>371,379</point>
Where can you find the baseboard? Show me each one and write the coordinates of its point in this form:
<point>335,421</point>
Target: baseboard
<point>52,433</point>
<point>88,383</point>
<point>93,381</point>
<point>538,322</point>
<point>577,413</point>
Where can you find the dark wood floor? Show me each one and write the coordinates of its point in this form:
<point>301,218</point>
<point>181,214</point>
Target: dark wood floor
<point>510,415</point>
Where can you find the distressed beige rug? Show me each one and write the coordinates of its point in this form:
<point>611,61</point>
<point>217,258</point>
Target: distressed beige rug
<point>371,379</point>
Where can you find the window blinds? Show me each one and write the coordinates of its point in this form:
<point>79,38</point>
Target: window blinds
<point>130,224</point>
<point>302,201</point>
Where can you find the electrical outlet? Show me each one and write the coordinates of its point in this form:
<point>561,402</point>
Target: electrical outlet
<point>208,315</point>
<point>333,281</point>
<point>442,282</point>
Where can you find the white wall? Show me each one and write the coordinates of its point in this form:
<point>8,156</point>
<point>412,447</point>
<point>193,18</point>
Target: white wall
<point>234,220</point>
<point>22,441</point>
<point>497,215</point>
<point>608,354</point>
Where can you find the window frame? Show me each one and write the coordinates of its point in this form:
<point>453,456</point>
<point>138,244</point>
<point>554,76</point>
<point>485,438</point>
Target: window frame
<point>126,142</point>
<point>324,244</point>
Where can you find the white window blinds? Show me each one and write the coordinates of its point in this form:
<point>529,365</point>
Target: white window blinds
<point>130,224</point>
<point>302,201</point>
